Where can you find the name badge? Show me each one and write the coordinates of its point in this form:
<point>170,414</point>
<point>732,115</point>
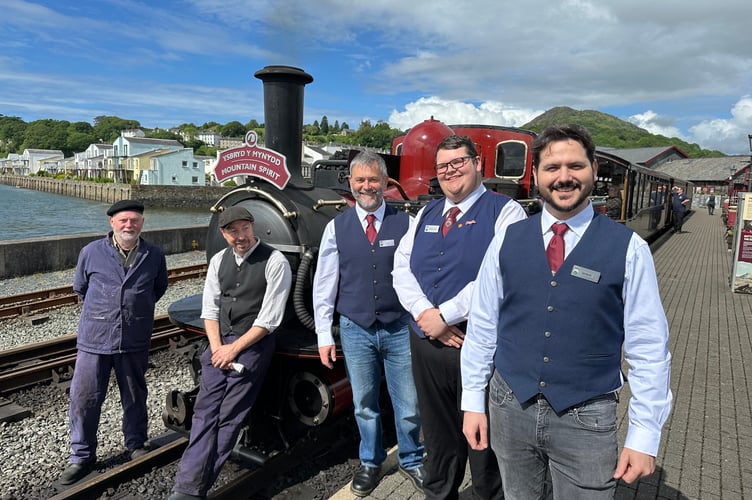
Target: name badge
<point>386,243</point>
<point>586,274</point>
<point>430,228</point>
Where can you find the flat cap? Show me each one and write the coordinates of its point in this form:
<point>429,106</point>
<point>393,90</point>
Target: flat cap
<point>230,215</point>
<point>123,205</point>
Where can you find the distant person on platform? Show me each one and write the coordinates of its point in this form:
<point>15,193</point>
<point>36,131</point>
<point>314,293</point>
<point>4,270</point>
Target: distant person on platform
<point>711,204</point>
<point>561,298</point>
<point>354,277</point>
<point>119,279</point>
<point>246,290</point>
<point>657,201</point>
<point>679,204</point>
<point>434,270</point>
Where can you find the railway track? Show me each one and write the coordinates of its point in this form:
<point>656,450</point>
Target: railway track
<point>27,304</point>
<point>54,359</point>
<point>247,480</point>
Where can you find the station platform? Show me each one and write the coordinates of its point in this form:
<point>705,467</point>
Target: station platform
<point>706,448</point>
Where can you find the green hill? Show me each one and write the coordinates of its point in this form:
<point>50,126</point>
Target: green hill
<point>610,131</point>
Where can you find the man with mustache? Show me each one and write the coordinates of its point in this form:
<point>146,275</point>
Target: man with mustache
<point>353,278</point>
<point>434,270</point>
<point>119,279</point>
<point>558,298</point>
<point>246,290</point>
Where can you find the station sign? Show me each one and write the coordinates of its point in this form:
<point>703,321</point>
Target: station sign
<point>741,264</point>
<point>253,160</point>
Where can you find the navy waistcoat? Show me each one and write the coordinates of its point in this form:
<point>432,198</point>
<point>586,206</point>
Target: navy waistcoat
<point>366,293</point>
<point>562,335</point>
<point>444,265</point>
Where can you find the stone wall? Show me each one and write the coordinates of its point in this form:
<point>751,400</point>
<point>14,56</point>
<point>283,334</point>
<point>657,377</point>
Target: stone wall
<point>56,253</point>
<point>152,196</point>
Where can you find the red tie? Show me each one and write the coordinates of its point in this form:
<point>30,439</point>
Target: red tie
<point>555,250</point>
<point>449,220</point>
<point>371,228</point>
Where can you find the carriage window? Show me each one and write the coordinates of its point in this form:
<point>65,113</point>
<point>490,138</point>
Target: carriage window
<point>510,159</point>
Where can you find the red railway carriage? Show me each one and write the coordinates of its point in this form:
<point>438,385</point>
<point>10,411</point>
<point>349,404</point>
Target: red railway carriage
<point>505,156</point>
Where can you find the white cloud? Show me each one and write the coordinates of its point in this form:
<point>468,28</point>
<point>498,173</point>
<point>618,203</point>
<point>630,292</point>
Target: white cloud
<point>656,124</point>
<point>458,112</point>
<point>727,135</point>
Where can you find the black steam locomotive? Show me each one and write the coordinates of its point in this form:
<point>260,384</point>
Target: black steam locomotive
<point>299,394</point>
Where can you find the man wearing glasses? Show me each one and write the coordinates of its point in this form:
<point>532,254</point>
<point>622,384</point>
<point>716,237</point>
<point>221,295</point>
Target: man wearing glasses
<point>435,267</point>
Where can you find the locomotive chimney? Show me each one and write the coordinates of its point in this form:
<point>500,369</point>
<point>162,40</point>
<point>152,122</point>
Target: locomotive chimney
<point>283,113</point>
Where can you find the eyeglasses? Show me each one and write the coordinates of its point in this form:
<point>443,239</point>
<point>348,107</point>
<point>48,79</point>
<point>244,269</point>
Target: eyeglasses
<point>456,164</point>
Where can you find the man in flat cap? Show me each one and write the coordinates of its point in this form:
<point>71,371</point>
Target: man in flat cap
<point>119,279</point>
<point>246,290</point>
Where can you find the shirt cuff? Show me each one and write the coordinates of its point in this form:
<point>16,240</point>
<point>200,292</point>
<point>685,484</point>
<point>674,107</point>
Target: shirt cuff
<point>450,314</point>
<point>473,401</point>
<point>325,338</point>
<point>420,306</point>
<point>642,440</point>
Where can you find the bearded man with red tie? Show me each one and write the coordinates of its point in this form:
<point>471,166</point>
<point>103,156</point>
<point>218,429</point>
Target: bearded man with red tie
<point>353,278</point>
<point>558,298</point>
<point>434,269</point>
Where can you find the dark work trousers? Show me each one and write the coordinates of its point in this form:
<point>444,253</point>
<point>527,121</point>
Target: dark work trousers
<point>225,397</point>
<point>88,390</point>
<point>436,369</point>
<point>678,220</point>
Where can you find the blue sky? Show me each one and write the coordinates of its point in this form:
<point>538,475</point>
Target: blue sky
<point>680,68</point>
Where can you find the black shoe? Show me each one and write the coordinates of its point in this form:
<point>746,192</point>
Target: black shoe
<point>364,481</point>
<point>138,453</point>
<point>75,472</point>
<point>415,476</point>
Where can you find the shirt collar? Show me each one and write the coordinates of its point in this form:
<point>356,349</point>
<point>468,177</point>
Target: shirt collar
<point>466,203</point>
<point>379,212</point>
<point>578,224</point>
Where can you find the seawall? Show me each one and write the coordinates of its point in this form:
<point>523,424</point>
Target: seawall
<point>55,253</point>
<point>151,196</point>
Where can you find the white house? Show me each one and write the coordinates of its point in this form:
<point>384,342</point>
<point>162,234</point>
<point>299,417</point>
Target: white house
<point>33,159</point>
<point>92,163</point>
<point>210,138</point>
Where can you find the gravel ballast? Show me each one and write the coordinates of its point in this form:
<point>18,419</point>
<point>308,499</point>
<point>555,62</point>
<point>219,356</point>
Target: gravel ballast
<point>36,449</point>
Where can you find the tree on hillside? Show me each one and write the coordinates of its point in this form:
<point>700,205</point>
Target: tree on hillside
<point>77,142</point>
<point>324,125</point>
<point>108,128</point>
<point>213,126</point>
<point>12,130</point>
<point>233,129</point>
<point>163,134</point>
<point>253,124</point>
<point>47,134</point>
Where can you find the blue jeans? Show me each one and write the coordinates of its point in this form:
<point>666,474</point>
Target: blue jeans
<point>366,350</point>
<point>579,447</point>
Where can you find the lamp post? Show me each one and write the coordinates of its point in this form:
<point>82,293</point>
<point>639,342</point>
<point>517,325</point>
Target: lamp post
<point>749,167</point>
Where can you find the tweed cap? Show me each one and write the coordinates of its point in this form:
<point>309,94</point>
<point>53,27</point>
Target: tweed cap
<point>230,215</point>
<point>123,205</point>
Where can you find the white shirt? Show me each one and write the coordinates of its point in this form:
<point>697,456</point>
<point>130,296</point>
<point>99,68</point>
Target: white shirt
<point>278,282</point>
<point>645,333</point>
<point>326,280</point>
<point>411,296</point>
